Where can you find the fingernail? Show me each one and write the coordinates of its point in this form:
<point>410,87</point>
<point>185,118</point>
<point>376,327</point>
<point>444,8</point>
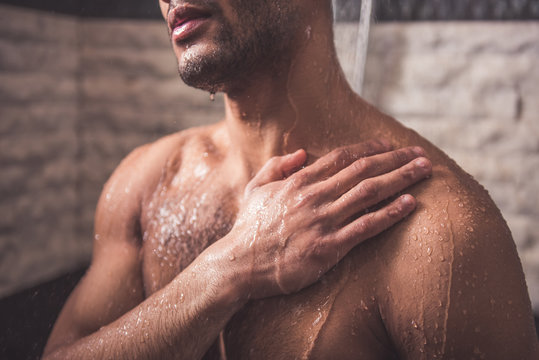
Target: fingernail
<point>407,200</point>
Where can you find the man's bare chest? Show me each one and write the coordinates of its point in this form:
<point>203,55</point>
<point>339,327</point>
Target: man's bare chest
<point>183,218</point>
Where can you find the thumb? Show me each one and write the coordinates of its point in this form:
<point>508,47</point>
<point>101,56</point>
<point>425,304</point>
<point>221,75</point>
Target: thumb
<point>277,168</point>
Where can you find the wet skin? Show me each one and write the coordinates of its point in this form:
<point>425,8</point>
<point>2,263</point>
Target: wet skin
<point>444,283</point>
<point>414,291</point>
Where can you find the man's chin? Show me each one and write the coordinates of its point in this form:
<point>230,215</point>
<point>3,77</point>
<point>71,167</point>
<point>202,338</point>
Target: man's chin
<point>202,83</point>
<point>204,72</point>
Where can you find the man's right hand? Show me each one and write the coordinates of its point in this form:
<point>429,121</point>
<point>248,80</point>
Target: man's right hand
<point>294,225</point>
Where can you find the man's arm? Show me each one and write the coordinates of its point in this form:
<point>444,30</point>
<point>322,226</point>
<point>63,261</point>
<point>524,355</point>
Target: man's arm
<point>106,316</point>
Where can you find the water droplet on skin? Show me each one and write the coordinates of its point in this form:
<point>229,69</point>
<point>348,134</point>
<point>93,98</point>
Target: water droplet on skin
<point>182,298</point>
<point>429,250</point>
<point>318,318</point>
<point>212,96</point>
<point>308,31</point>
<point>363,305</point>
<point>425,230</point>
<point>470,229</point>
<point>232,257</point>
<point>414,237</point>
<point>414,324</point>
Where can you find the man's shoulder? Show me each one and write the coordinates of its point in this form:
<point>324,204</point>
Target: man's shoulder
<point>140,171</point>
<point>455,217</point>
<point>146,161</point>
<point>453,265</point>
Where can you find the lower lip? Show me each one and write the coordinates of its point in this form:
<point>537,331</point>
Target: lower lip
<point>188,28</point>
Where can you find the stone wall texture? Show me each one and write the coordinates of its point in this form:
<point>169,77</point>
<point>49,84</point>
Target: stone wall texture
<point>77,95</point>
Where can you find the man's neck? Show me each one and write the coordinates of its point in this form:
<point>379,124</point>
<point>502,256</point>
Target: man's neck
<point>302,105</point>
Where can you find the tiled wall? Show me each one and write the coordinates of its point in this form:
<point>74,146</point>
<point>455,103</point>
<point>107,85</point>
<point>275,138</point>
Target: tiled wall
<point>77,95</point>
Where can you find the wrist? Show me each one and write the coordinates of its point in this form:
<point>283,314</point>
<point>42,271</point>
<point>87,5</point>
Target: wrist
<point>228,277</point>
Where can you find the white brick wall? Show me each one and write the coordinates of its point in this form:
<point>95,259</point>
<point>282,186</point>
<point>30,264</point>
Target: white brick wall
<point>38,147</point>
<point>77,96</point>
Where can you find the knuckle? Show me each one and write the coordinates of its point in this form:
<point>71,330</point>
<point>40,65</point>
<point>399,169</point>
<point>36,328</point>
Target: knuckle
<point>373,146</point>
<point>319,250</point>
<point>363,225</point>
<point>368,190</point>
<point>317,217</point>
<point>418,150</point>
<point>305,199</point>
<point>289,185</point>
<point>361,166</point>
<point>401,156</point>
<point>340,155</point>
<point>408,173</point>
<point>395,212</point>
<point>297,180</point>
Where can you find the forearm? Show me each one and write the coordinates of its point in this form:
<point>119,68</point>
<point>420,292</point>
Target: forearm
<point>182,320</point>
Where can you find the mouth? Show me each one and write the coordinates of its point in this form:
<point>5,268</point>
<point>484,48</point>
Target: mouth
<point>184,20</point>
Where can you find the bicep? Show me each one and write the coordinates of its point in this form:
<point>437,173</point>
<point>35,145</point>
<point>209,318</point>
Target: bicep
<point>113,282</point>
<point>110,288</point>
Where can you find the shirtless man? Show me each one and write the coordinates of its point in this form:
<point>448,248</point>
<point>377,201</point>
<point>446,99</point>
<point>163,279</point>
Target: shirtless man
<point>444,283</point>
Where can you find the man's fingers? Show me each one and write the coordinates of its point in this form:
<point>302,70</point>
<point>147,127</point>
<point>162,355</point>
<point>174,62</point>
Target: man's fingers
<point>278,168</point>
<point>374,223</point>
<point>373,190</point>
<point>293,162</point>
<point>340,158</point>
<point>369,167</point>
